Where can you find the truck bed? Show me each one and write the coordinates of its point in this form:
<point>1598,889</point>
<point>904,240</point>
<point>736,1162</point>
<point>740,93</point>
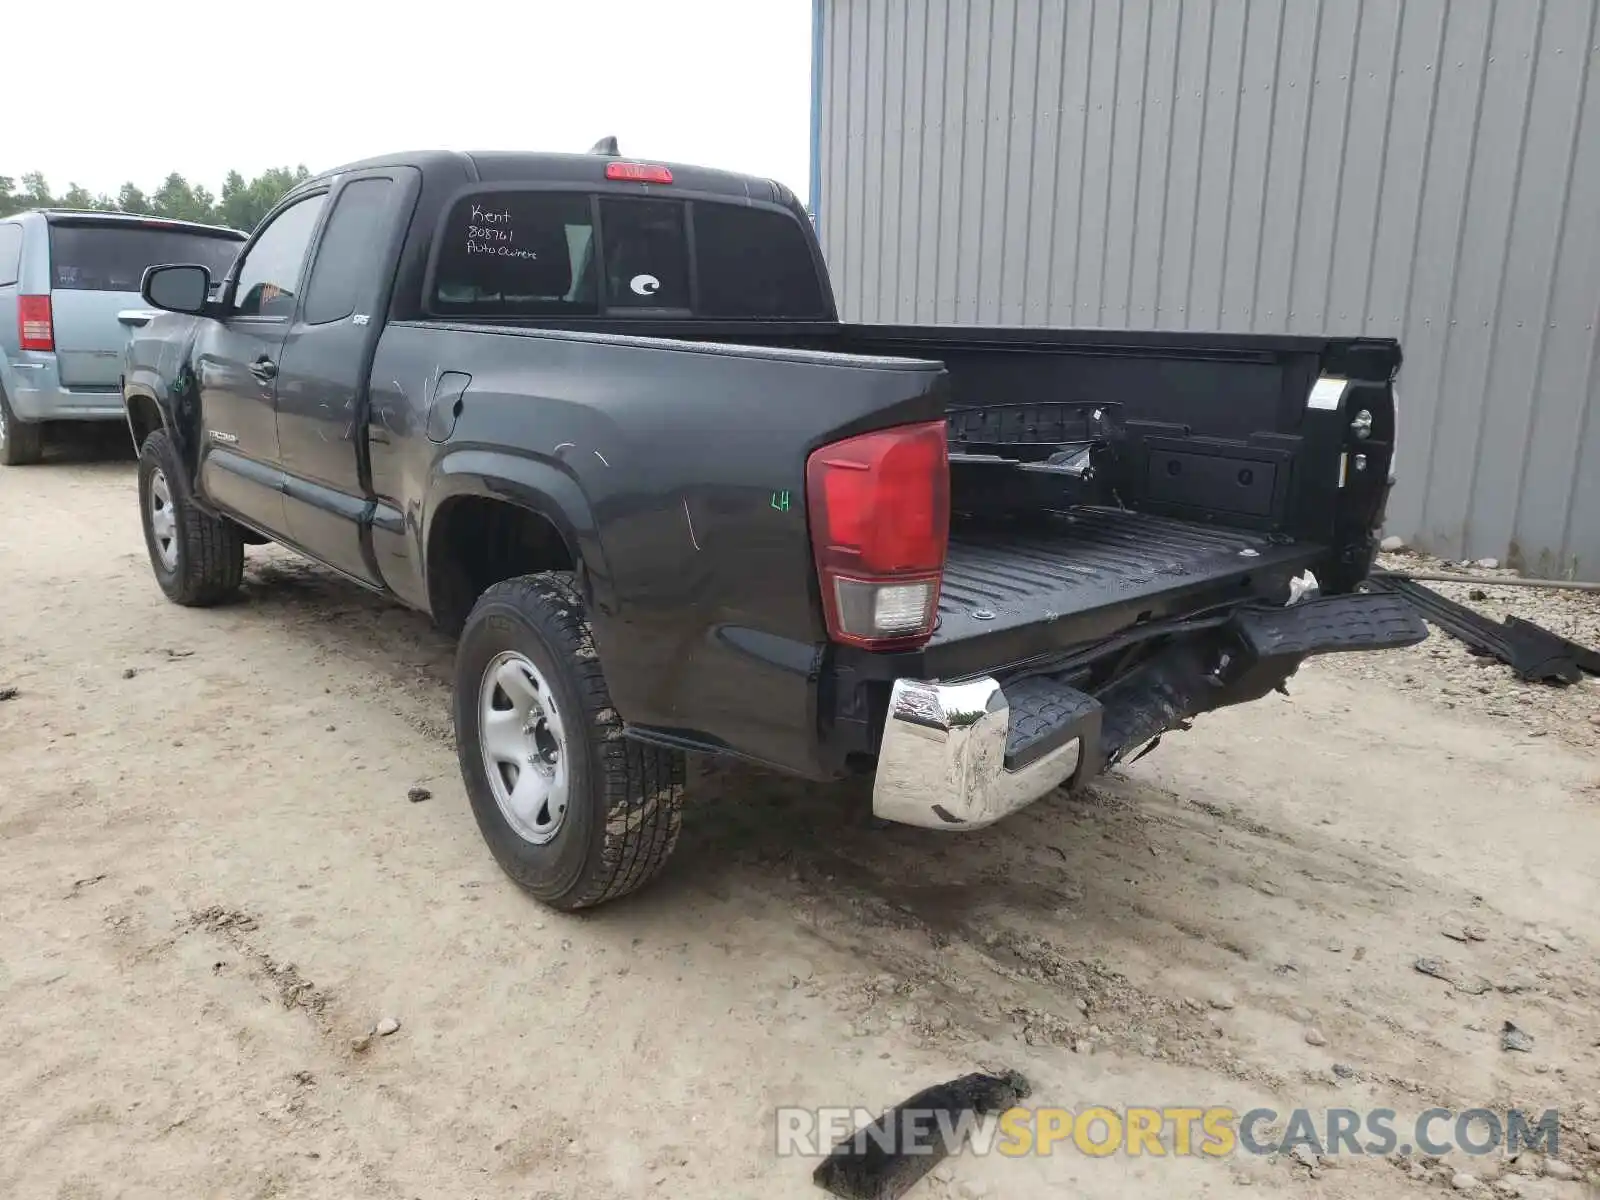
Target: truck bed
<point>1089,573</point>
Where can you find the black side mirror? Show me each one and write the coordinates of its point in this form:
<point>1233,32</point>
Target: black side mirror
<point>184,289</point>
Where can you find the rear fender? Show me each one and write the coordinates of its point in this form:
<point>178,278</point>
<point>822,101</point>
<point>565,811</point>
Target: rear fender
<point>534,484</point>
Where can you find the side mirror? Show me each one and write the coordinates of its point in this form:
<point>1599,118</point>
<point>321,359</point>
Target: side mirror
<point>184,289</point>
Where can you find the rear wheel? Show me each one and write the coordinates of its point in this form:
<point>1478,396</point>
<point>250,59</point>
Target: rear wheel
<point>21,442</point>
<point>198,559</point>
<point>572,811</point>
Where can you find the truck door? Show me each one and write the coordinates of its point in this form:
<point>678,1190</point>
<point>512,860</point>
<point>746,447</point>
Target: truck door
<point>236,364</point>
<point>327,360</point>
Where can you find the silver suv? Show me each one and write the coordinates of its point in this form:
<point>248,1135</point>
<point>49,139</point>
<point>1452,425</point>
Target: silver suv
<point>69,294</point>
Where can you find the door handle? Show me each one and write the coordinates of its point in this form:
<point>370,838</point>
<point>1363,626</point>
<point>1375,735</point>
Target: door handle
<point>264,369</point>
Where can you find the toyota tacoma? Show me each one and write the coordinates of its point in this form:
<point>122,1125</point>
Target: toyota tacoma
<point>600,418</point>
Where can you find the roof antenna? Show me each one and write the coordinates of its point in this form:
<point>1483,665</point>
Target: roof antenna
<point>606,146</point>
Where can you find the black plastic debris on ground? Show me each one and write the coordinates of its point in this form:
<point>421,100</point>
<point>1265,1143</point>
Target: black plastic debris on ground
<point>1532,651</point>
<point>884,1160</point>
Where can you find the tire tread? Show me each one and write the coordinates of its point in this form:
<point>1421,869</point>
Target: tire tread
<point>24,444</point>
<point>211,558</point>
<point>641,787</point>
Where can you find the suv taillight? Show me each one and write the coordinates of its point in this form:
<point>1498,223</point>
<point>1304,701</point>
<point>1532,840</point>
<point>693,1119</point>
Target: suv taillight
<point>879,506</point>
<point>35,329</point>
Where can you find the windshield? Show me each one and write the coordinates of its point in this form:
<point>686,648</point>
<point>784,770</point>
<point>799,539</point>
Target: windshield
<point>112,257</point>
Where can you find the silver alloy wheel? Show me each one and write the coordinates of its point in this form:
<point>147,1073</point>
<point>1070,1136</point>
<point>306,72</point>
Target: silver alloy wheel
<point>163,522</point>
<point>3,429</point>
<point>524,747</point>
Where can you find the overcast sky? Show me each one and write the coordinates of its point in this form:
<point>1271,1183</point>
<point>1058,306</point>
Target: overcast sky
<point>101,92</point>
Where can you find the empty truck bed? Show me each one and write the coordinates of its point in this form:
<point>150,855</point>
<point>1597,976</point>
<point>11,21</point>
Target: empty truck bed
<point>1013,592</point>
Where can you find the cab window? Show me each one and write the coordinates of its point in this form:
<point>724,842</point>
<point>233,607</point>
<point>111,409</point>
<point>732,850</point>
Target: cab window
<point>270,273</point>
<point>570,254</point>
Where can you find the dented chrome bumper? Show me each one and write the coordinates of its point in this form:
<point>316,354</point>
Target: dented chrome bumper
<point>943,760</point>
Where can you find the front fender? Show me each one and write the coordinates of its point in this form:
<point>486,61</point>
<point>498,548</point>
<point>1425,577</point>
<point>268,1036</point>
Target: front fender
<point>157,370</point>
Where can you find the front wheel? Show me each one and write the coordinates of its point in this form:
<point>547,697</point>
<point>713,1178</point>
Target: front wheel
<point>574,812</point>
<point>198,559</point>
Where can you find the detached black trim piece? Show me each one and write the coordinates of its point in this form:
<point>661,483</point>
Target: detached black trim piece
<point>1533,652</point>
<point>861,1167</point>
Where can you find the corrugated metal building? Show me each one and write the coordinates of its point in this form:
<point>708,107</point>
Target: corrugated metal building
<point>1427,169</point>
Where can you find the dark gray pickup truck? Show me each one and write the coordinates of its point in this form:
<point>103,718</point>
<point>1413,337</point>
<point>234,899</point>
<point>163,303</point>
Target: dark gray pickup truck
<point>600,417</point>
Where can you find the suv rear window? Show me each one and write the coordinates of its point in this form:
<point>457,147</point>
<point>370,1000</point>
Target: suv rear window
<point>109,257</point>
<point>537,254</point>
<point>10,253</point>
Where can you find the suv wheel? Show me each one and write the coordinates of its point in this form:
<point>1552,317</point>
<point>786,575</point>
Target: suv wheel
<point>21,442</point>
<point>574,812</point>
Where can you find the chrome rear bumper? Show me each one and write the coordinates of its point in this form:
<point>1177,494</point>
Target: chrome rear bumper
<point>942,763</point>
<point>963,755</point>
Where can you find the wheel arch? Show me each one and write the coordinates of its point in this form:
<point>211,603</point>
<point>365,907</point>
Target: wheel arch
<point>484,527</point>
<point>144,414</point>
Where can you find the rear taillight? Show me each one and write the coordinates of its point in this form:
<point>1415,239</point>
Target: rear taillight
<point>35,329</point>
<point>879,506</point>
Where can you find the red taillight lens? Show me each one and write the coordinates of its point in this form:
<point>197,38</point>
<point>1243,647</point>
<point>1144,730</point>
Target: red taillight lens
<point>879,506</point>
<point>35,328</point>
<point>637,173</point>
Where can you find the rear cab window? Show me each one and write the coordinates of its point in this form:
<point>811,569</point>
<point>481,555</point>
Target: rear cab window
<point>111,256</point>
<point>532,253</point>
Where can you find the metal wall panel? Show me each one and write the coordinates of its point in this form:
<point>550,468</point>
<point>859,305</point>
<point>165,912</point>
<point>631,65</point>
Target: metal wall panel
<point>1426,169</point>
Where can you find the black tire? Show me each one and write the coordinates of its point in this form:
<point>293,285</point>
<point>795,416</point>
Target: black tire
<point>22,443</point>
<point>624,799</point>
<point>209,561</point>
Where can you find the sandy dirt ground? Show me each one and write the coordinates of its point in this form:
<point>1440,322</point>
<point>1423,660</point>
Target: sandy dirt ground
<point>212,884</point>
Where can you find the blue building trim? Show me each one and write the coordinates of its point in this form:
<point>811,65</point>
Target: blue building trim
<point>816,113</point>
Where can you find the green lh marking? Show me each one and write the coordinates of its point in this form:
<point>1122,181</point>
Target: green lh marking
<point>780,501</point>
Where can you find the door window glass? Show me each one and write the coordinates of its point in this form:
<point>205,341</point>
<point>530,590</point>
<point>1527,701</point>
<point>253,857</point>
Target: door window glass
<point>271,270</point>
<point>347,258</point>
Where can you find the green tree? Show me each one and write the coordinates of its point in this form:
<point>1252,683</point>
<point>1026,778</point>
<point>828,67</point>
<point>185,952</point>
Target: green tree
<point>35,191</point>
<point>177,199</point>
<point>131,200</point>
<point>242,203</point>
<point>77,196</point>
<point>236,206</point>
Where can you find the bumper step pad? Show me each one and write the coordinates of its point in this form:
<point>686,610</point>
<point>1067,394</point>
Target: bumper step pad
<point>1363,621</point>
<point>1046,713</point>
